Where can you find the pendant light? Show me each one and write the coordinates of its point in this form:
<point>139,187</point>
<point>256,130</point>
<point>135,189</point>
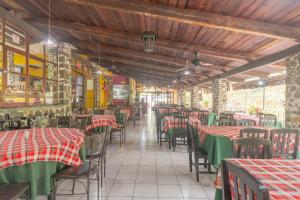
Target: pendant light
<point>149,38</point>
<point>49,40</point>
<point>99,71</point>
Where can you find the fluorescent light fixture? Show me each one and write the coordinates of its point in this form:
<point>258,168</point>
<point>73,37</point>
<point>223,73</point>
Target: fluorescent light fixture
<point>261,82</point>
<point>186,72</point>
<point>251,79</point>
<point>277,74</point>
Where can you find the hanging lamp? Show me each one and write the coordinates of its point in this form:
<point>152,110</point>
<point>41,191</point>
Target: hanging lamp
<point>149,38</point>
<point>49,40</point>
<point>99,71</point>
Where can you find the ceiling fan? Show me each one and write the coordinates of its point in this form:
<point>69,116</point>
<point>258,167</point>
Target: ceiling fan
<point>196,65</point>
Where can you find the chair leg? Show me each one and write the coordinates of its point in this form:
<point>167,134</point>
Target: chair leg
<point>73,187</point>
<point>120,138</point>
<point>98,189</point>
<point>205,162</point>
<point>104,170</point>
<point>191,160</point>
<point>209,167</point>
<point>197,168</point>
<point>88,188</point>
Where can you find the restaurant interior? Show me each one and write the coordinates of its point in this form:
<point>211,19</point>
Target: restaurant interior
<point>149,99</point>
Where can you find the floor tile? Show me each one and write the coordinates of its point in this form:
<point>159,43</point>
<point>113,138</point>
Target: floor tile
<point>121,190</point>
<point>169,191</point>
<point>145,190</point>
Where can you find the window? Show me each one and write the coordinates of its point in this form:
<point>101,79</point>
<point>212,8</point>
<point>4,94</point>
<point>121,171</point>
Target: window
<point>77,89</point>
<point>16,73</point>
<point>14,37</point>
<point>51,54</point>
<point>36,49</point>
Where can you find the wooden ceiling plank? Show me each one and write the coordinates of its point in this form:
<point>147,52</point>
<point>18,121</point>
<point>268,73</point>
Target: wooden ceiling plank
<point>135,38</point>
<point>198,18</point>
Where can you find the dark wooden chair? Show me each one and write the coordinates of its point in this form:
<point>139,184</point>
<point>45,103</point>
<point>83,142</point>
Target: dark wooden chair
<point>85,171</point>
<point>80,123</point>
<point>203,117</point>
<point>64,121</point>
<point>226,122</point>
<point>246,122</point>
<point>121,121</point>
<point>14,191</point>
<point>187,112</point>
<point>254,133</point>
<point>267,120</point>
<point>179,131</point>
<point>245,186</point>
<point>285,143</point>
<point>199,154</point>
<point>252,148</point>
<point>226,115</point>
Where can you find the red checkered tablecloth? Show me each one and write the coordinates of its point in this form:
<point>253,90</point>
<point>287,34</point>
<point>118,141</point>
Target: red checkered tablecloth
<point>168,122</point>
<point>280,177</point>
<point>227,131</point>
<point>19,147</point>
<point>102,120</point>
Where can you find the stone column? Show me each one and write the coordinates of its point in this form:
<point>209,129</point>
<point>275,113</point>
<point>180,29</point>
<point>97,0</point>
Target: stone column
<point>196,96</point>
<point>292,94</point>
<point>65,75</point>
<point>219,95</point>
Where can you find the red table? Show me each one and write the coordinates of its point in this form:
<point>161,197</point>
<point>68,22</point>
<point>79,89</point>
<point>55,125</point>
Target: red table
<point>19,147</point>
<point>103,120</point>
<point>227,131</point>
<point>168,122</point>
<point>280,177</point>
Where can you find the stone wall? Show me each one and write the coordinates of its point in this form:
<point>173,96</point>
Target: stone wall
<point>65,76</point>
<point>219,95</point>
<point>196,96</point>
<point>292,95</point>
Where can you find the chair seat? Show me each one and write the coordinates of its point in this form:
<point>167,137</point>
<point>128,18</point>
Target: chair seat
<point>13,191</point>
<point>77,172</point>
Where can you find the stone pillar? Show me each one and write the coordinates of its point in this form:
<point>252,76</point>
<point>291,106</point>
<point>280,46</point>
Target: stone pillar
<point>65,75</point>
<point>292,94</point>
<point>219,95</point>
<point>196,96</point>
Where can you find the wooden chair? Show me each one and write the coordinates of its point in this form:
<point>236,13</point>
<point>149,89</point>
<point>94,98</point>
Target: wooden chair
<point>226,115</point>
<point>267,120</point>
<point>85,171</point>
<point>254,133</point>
<point>245,186</point>
<point>52,122</point>
<point>203,117</point>
<point>64,121</point>
<point>187,112</point>
<point>40,123</point>
<point>121,120</point>
<point>14,191</point>
<point>252,148</point>
<point>226,122</point>
<point>179,130</point>
<point>246,122</point>
<point>285,143</point>
<point>198,153</point>
<point>80,123</point>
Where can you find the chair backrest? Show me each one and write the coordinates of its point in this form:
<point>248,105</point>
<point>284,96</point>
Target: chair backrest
<point>52,122</point>
<point>109,112</point>
<point>267,120</point>
<point>252,148</point>
<point>180,122</point>
<point>187,112</point>
<point>244,185</point>
<point>226,115</point>
<point>64,121</point>
<point>246,122</point>
<point>203,117</point>
<point>226,122</point>
<point>40,123</point>
<point>254,133</point>
<point>80,123</point>
<point>121,118</point>
<point>285,143</point>
<point>38,114</point>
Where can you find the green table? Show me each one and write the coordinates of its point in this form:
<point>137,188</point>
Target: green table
<point>211,118</point>
<point>38,174</point>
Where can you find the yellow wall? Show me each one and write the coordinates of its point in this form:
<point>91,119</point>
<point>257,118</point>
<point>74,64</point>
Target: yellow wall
<point>104,96</point>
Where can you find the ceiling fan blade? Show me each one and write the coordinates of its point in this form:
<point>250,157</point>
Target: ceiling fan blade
<point>206,64</point>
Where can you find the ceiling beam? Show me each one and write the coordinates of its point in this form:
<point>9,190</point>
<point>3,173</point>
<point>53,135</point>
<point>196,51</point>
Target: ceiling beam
<point>136,39</point>
<point>170,61</point>
<point>197,18</point>
<point>269,59</point>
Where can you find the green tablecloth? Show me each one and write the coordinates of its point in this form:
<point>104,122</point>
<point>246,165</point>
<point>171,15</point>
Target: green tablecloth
<point>38,174</point>
<point>211,118</point>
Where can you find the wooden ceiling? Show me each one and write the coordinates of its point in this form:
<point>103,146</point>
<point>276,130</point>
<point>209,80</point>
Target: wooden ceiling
<point>228,33</point>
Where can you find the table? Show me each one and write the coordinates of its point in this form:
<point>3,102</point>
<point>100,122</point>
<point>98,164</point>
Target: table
<point>166,110</point>
<point>102,120</point>
<point>280,177</point>
<point>126,112</point>
<point>35,155</point>
<point>168,123</point>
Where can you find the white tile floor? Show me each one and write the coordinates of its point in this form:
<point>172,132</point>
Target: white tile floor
<point>142,170</point>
